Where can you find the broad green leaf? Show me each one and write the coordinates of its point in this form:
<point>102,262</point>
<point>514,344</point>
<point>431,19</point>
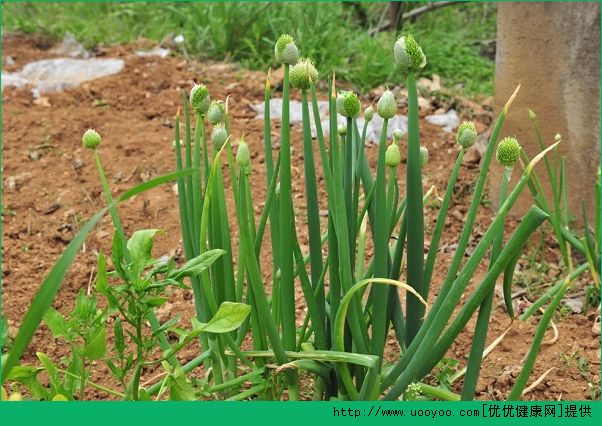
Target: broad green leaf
<point>179,388</point>
<point>140,246</point>
<point>118,256</point>
<point>119,339</point>
<point>96,348</point>
<point>102,285</point>
<point>22,372</point>
<point>156,301</point>
<point>52,372</point>
<point>228,317</point>
<point>57,324</point>
<point>195,266</point>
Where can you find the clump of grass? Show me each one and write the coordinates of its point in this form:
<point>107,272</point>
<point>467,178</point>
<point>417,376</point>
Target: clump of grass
<point>351,308</point>
<point>245,32</point>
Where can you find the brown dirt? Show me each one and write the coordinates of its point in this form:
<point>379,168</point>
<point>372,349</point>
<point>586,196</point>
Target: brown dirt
<point>136,118</point>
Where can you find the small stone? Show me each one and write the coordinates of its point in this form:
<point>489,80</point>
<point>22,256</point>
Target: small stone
<point>11,184</point>
<point>424,105</point>
<point>472,156</point>
<point>457,214</point>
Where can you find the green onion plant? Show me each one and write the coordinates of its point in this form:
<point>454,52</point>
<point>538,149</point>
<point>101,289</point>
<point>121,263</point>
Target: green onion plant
<point>365,276</point>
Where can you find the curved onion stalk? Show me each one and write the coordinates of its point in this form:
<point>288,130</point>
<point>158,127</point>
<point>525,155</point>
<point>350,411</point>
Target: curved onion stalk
<point>339,327</point>
<point>443,306</point>
<point>482,325</point>
<point>53,281</point>
<point>414,215</point>
<point>450,278</point>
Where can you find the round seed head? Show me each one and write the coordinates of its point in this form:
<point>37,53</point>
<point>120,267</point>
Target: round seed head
<point>557,137</point>
<point>199,99</point>
<point>285,50</point>
<point>392,155</point>
<point>397,135</point>
<point>91,139</point>
<point>387,106</point>
<point>243,155</point>
<point>219,135</point>
<point>342,129</point>
<point>508,152</point>
<point>368,114</point>
<point>348,104</point>
<point>216,112</point>
<point>303,74</point>
<point>424,156</point>
<point>466,134</point>
<point>408,54</point>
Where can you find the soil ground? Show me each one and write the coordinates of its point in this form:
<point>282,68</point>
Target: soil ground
<point>50,186</point>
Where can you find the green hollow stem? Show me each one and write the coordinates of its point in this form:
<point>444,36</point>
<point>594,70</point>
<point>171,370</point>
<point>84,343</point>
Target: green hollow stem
<point>381,250</point>
<point>423,358</point>
<point>109,199</point>
<point>258,289</point>
<point>343,267</point>
<point>482,325</point>
<point>311,194</point>
<point>189,179</point>
<point>196,183</point>
<point>348,154</point>
<point>287,289</point>
<point>270,173</point>
<point>414,215</point>
<point>440,224</point>
<point>152,318</point>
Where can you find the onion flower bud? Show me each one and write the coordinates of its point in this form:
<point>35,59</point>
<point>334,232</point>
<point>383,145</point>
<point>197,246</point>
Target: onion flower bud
<point>466,134</point>
<point>508,152</point>
<point>91,139</point>
<point>408,54</point>
<point>387,106</point>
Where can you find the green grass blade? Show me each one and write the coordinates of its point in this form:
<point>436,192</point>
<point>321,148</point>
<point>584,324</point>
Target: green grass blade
<point>414,215</point>
<point>311,195</point>
<point>480,334</point>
